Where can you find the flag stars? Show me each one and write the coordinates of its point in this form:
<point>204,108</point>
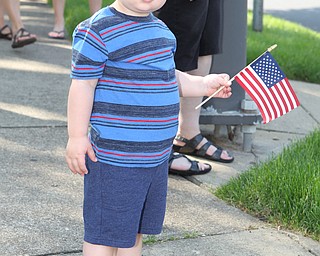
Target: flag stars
<point>268,70</point>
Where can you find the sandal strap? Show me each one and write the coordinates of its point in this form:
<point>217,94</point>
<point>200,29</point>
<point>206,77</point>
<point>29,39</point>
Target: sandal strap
<point>21,33</point>
<point>195,141</point>
<point>4,27</point>
<point>203,150</point>
<point>7,35</point>
<point>174,156</point>
<point>194,164</point>
<point>217,154</point>
<point>182,139</point>
<point>192,143</point>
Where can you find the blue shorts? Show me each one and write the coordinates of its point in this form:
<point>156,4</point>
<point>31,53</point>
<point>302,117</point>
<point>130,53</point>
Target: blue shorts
<point>121,202</point>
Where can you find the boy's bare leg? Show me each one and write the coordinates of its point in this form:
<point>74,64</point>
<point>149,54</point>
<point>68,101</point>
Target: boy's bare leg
<point>95,5</point>
<point>98,250</point>
<point>189,116</point>
<point>101,250</point>
<point>134,251</point>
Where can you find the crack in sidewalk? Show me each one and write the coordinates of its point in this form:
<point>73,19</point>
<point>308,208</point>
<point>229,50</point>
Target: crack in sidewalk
<point>58,253</point>
<point>34,126</point>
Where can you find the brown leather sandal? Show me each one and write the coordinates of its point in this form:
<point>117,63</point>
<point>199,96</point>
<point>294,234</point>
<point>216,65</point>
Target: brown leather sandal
<point>22,38</point>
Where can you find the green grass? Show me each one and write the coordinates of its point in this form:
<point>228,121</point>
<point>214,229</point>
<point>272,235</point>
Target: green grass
<point>74,14</point>
<point>297,51</point>
<point>285,190</point>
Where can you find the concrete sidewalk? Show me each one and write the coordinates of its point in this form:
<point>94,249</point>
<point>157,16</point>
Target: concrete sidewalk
<point>41,201</point>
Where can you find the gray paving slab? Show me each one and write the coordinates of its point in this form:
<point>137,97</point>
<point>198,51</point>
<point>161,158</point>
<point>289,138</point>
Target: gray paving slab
<point>309,96</point>
<point>260,242</point>
<point>188,204</point>
<point>37,76</point>
<point>40,200</point>
<point>305,118</point>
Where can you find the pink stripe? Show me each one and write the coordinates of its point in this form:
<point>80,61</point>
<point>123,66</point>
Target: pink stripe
<point>135,84</point>
<point>87,32</point>
<point>116,28</point>
<point>130,155</point>
<point>77,68</point>
<point>148,55</point>
<point>136,121</point>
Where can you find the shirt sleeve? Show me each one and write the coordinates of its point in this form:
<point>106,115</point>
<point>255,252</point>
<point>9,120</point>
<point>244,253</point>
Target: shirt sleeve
<point>89,53</point>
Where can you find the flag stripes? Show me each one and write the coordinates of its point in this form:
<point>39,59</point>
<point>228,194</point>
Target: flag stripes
<point>272,102</point>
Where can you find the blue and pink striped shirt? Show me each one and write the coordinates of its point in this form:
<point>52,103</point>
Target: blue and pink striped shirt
<point>136,104</point>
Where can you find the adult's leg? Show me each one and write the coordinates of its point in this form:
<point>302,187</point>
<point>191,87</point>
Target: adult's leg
<point>12,8</point>
<point>189,116</point>
<point>95,5</point>
<point>178,15</point>
<point>2,21</point>
<point>194,55</point>
<point>58,28</point>
<point>21,37</point>
<point>5,30</point>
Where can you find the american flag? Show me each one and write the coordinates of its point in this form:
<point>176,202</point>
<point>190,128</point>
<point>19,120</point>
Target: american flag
<point>268,86</point>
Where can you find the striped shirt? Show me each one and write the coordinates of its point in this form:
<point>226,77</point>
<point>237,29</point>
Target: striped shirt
<point>136,104</point>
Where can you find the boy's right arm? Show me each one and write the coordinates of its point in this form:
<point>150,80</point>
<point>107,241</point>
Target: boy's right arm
<point>80,102</point>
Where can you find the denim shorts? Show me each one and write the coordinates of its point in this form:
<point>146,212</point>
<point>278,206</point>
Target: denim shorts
<point>121,202</point>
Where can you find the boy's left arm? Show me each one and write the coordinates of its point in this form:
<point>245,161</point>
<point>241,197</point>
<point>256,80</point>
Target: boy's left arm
<point>198,86</point>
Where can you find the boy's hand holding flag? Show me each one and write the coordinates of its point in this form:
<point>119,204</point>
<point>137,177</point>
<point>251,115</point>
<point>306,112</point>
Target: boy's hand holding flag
<point>268,86</point>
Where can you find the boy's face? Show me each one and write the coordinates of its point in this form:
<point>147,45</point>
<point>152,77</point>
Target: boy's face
<point>138,7</point>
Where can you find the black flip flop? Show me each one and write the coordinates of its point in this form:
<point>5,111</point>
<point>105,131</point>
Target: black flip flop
<point>58,34</point>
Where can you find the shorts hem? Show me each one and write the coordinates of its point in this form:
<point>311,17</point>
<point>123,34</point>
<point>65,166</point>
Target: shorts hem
<point>111,243</point>
<point>150,231</point>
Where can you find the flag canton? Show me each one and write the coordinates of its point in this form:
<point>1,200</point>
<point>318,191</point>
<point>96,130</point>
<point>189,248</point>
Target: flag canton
<point>268,70</point>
